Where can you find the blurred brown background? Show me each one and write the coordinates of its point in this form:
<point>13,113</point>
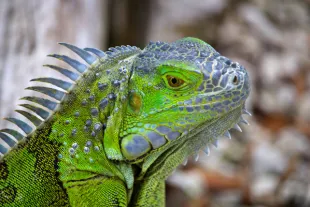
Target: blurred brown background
<point>266,165</point>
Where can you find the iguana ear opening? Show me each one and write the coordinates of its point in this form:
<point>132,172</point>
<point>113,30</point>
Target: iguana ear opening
<point>135,102</point>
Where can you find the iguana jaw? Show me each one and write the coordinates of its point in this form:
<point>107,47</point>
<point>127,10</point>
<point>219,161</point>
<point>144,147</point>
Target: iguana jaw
<point>162,163</point>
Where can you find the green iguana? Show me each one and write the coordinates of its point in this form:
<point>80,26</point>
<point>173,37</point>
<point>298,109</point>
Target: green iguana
<point>112,134</point>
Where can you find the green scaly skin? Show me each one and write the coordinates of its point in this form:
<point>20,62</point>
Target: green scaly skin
<point>123,126</point>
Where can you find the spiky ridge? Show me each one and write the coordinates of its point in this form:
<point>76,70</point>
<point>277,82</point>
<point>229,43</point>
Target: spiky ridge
<point>10,138</point>
<point>215,143</point>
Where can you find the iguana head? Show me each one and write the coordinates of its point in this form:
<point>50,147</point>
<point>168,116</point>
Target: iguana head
<point>177,88</point>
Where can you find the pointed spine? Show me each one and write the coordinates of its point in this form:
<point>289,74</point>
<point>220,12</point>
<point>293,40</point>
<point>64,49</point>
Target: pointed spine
<point>56,82</point>
<point>7,139</point>
<point>13,133</point>
<point>82,53</point>
<point>227,134</point>
<point>22,125</point>
<point>40,112</point>
<point>244,111</point>
<point>71,75</point>
<point>80,67</point>
<point>35,120</point>
<point>196,156</point>
<point>242,120</point>
<point>237,127</point>
<point>95,51</point>
<point>207,150</point>
<point>185,162</point>
<point>3,150</point>
<point>41,101</point>
<point>58,95</point>
<point>215,143</point>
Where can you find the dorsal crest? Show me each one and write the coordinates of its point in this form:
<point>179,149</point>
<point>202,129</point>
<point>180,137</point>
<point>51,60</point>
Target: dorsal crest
<point>42,109</point>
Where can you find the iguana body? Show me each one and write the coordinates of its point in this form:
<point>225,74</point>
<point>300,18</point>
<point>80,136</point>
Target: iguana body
<point>113,134</point>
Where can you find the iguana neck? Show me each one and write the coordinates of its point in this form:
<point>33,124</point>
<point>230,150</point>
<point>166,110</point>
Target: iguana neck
<point>113,117</point>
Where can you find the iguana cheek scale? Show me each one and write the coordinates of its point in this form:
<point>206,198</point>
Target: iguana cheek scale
<point>112,132</point>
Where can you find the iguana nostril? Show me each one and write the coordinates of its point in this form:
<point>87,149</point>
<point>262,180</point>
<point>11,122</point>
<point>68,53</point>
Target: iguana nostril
<point>235,80</point>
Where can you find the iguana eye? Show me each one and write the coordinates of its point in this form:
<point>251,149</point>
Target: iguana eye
<point>174,82</point>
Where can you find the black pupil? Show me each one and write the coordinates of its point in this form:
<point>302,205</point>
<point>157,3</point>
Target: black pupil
<point>174,80</point>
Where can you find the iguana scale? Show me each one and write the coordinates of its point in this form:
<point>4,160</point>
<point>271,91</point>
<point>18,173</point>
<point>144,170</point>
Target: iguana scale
<point>116,129</point>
